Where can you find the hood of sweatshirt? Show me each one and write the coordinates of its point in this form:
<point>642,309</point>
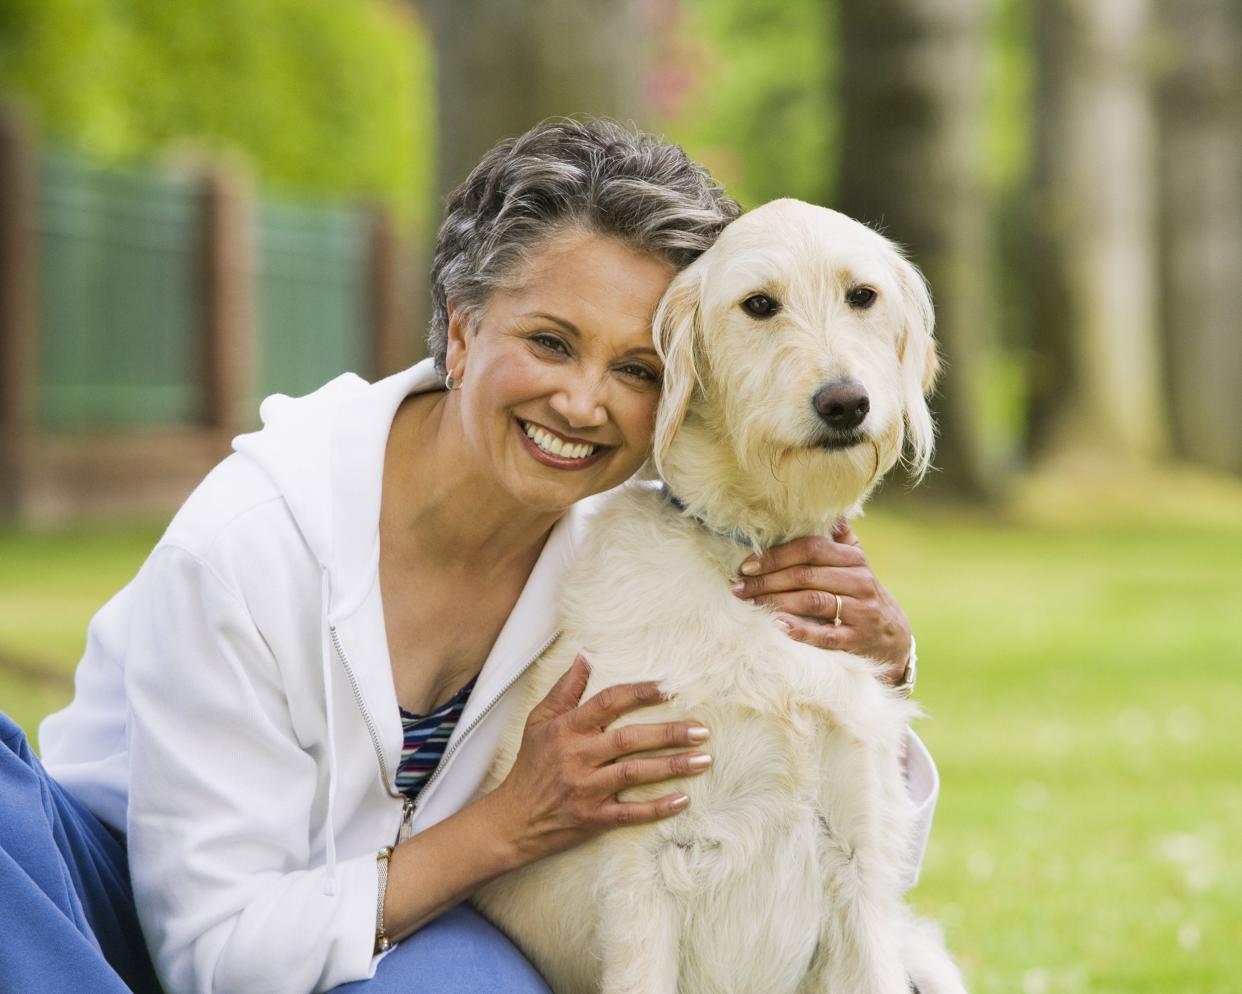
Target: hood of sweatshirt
<point>336,435</point>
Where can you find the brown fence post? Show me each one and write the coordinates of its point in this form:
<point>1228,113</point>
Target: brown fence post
<point>391,309</point>
<point>230,273</point>
<point>19,301</point>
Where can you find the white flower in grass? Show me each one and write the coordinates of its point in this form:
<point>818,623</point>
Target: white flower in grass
<point>981,865</point>
<point>1200,877</point>
<point>1183,848</point>
<point>1032,796</point>
<point>1184,724</point>
<point>1194,856</point>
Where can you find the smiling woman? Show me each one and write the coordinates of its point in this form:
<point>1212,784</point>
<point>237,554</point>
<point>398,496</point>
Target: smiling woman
<point>570,377</point>
<point>288,712</point>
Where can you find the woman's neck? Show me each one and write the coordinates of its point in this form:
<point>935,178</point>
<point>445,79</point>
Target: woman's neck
<point>439,503</point>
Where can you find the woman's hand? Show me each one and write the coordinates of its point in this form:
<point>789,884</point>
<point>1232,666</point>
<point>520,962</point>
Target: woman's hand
<point>798,580</point>
<point>563,785</point>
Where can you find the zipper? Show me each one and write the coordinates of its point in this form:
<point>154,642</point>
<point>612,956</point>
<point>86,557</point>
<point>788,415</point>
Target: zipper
<point>353,683</point>
<point>409,806</point>
<point>407,820</point>
<point>483,714</point>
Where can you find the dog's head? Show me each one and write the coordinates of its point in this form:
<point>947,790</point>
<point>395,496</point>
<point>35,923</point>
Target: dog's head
<point>797,354</point>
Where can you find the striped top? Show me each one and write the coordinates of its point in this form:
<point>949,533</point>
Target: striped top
<point>425,737</point>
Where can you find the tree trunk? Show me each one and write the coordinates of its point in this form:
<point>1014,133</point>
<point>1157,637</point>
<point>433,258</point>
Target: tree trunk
<point>19,303</point>
<point>504,65</point>
<point>1096,383</point>
<point>911,104</point>
<point>1201,168</point>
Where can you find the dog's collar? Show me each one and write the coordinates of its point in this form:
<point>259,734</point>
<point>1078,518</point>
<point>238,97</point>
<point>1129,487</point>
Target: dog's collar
<point>735,536</point>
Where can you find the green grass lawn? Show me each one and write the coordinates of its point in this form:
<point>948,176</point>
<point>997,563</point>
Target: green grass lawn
<point>1081,665</point>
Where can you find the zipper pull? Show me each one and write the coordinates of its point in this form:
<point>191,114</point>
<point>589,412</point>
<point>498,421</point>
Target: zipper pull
<point>407,820</point>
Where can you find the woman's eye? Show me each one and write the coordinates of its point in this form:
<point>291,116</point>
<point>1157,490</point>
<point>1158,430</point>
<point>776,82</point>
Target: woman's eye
<point>641,373</point>
<point>550,342</point>
<point>861,297</point>
<point>760,305</point>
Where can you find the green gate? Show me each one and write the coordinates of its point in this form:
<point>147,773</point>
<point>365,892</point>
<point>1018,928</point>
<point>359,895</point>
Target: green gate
<point>119,300</point>
<point>312,296</point>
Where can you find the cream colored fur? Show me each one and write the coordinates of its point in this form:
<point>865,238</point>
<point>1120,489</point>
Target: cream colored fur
<point>782,876</point>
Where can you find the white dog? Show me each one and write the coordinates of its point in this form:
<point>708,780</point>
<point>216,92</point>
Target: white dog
<point>797,354</point>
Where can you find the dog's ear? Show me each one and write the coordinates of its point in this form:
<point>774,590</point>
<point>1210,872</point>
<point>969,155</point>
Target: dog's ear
<point>916,351</point>
<point>676,341</point>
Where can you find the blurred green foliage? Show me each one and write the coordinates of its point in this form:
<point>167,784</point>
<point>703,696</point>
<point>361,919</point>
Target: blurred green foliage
<point>760,111</point>
<point>761,107</point>
<point>325,98</point>
<point>1010,71</point>
<point>337,97</point>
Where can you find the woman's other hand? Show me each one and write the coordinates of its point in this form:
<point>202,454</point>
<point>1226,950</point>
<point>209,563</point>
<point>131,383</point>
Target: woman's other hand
<point>571,765</point>
<point>801,581</point>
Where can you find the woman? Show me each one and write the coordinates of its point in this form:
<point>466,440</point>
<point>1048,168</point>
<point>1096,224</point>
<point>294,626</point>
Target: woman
<point>264,709</point>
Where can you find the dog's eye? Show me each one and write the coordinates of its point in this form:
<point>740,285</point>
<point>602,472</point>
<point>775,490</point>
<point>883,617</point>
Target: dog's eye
<point>861,297</point>
<point>760,305</point>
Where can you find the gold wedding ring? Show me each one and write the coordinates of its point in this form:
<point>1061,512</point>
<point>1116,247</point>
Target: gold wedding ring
<point>836,621</point>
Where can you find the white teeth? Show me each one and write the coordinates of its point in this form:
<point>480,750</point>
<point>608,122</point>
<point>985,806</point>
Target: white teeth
<point>554,446</point>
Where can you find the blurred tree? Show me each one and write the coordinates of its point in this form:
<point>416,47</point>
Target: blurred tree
<point>911,126</point>
<point>502,67</point>
<point>1096,376</point>
<point>1201,165</point>
<point>746,87</point>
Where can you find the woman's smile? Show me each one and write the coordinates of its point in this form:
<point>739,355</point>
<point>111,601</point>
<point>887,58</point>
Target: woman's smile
<point>559,451</point>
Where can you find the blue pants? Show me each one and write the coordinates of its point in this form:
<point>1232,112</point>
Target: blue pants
<point>459,953</point>
<point>65,899</point>
<point>67,919</point>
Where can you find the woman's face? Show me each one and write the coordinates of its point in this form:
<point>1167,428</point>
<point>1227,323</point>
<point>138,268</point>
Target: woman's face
<point>560,380</point>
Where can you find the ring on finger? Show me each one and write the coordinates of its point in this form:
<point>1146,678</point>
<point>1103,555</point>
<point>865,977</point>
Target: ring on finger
<point>836,621</point>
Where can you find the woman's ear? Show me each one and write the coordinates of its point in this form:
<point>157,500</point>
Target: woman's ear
<point>916,352</point>
<point>457,342</point>
<point>676,340</point>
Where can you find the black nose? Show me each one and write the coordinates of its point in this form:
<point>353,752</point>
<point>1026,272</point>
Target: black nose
<point>842,405</point>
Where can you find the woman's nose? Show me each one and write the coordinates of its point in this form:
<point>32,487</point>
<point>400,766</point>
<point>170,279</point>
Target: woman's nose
<point>581,404</point>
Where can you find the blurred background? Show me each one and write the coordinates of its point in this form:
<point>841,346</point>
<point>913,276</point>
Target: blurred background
<point>205,202</point>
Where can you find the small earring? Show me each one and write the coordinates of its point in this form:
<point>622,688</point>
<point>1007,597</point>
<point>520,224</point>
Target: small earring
<point>449,384</point>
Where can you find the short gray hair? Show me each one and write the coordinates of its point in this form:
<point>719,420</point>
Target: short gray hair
<point>595,175</point>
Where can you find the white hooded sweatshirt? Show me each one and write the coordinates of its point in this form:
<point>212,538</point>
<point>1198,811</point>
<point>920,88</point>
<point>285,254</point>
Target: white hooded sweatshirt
<point>235,711</point>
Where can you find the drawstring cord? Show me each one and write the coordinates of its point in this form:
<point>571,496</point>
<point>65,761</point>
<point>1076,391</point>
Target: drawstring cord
<point>329,887</point>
